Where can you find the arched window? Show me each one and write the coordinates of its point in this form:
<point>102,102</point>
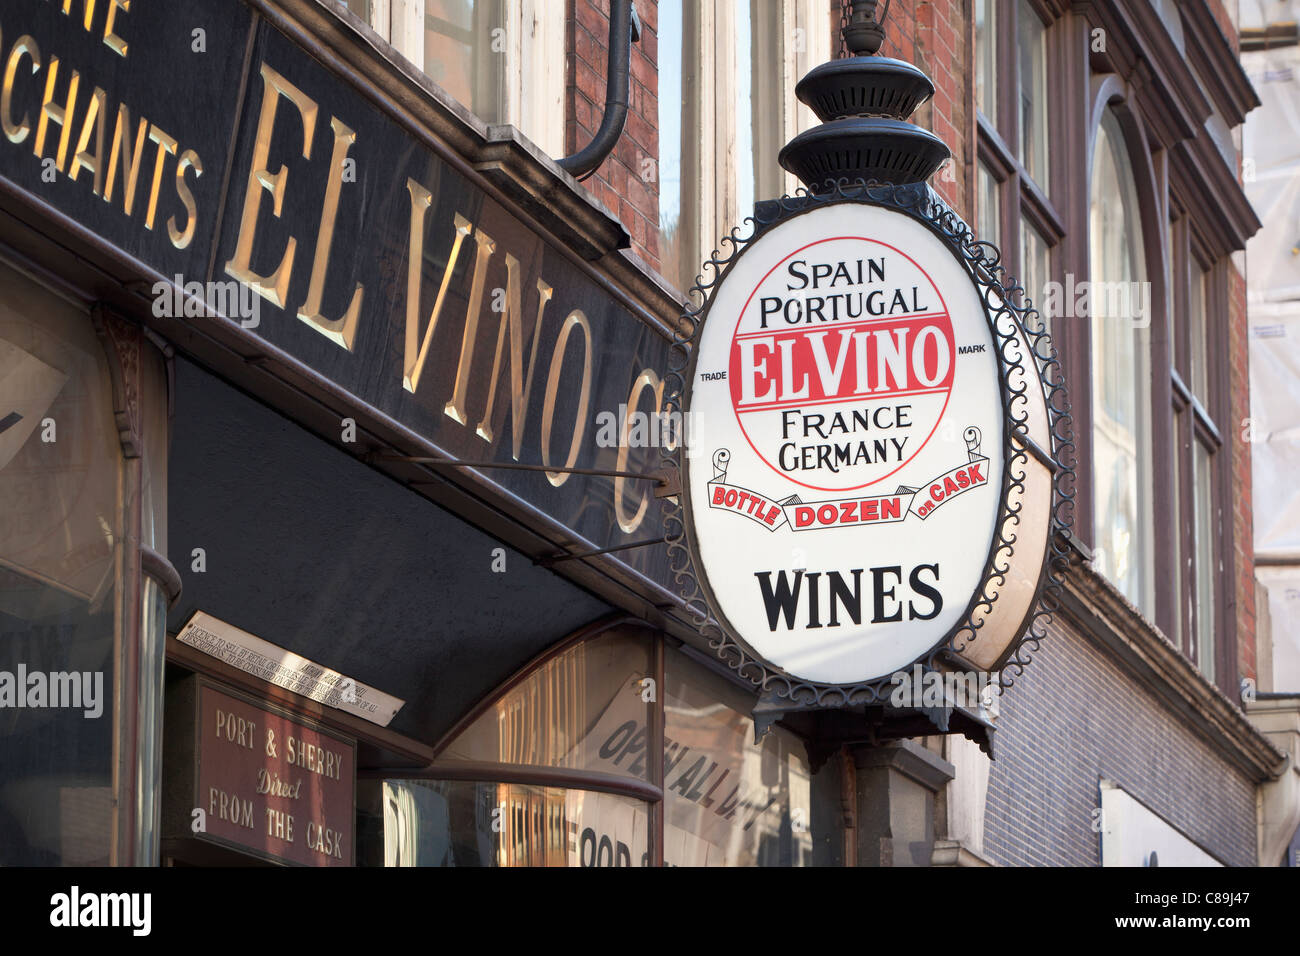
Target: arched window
<point>1121,377</point>
<point>614,749</point>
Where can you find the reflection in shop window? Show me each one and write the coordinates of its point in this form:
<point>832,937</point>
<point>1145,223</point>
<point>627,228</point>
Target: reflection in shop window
<point>59,536</point>
<point>463,823</point>
<point>729,801</point>
<point>584,709</point>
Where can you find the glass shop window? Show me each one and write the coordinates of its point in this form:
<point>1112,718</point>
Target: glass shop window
<point>729,801</point>
<point>60,537</point>
<point>557,771</point>
<point>473,823</point>
<point>567,712</point>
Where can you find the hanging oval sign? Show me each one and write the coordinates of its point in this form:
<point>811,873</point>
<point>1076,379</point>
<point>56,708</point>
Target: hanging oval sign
<point>848,444</point>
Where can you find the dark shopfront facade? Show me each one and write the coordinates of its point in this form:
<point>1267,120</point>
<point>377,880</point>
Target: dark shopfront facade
<point>424,291</point>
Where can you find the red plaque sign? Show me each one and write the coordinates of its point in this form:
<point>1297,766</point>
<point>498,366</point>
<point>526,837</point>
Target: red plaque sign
<point>272,784</point>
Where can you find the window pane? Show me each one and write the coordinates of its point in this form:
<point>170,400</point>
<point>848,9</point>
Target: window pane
<point>462,823</point>
<point>1197,329</point>
<point>747,161</point>
<point>675,251</point>
<point>1120,372</point>
<point>987,215</point>
<point>1206,570</point>
<point>581,710</point>
<point>1033,94</point>
<point>60,543</point>
<point>729,801</point>
<point>360,7</point>
<point>1182,561</point>
<point>458,54</point>
<point>1035,268</point>
<point>986,58</point>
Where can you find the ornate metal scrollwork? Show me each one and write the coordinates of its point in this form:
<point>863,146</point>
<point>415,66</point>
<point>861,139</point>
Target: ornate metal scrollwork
<point>1009,321</point>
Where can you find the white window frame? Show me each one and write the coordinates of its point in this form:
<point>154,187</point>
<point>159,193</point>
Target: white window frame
<point>532,61</point>
<point>800,30</point>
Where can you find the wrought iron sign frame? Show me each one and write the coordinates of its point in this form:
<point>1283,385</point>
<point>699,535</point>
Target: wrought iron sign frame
<point>981,260</point>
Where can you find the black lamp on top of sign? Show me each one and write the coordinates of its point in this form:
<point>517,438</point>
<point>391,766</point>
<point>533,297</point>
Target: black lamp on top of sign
<point>874,468</point>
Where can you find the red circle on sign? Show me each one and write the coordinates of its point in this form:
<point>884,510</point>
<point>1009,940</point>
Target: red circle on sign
<point>791,349</point>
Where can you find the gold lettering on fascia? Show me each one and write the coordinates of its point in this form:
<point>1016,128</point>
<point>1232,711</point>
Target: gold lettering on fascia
<point>82,158</point>
<point>511,327</point>
<point>181,238</point>
<point>576,320</point>
<point>414,355</point>
<point>24,47</point>
<point>455,409</point>
<point>57,100</point>
<point>521,378</point>
<point>51,112</point>
<point>130,158</point>
<point>344,330</point>
<point>166,147</point>
<point>512,335</point>
<point>275,287</point>
<point>650,381</point>
<point>112,8</point>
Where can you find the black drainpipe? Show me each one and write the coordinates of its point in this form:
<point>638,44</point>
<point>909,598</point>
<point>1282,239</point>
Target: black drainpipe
<point>624,28</point>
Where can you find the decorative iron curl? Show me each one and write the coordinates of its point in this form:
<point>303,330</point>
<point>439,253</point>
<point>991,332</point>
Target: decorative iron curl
<point>1013,325</point>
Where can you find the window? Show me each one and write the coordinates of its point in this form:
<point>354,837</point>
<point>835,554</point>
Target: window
<point>987,218</point>
<point>61,529</point>
<point>501,59</point>
<point>724,79</point>
<point>1013,208</point>
<point>1121,373</point>
<point>1196,443</point>
<point>986,58</point>
<point>582,763</point>
<point>754,808</point>
<point>1031,93</point>
<point>1036,270</point>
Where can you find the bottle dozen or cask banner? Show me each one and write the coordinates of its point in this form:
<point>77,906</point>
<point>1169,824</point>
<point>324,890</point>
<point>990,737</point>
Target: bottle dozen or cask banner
<point>251,180</point>
<point>806,515</point>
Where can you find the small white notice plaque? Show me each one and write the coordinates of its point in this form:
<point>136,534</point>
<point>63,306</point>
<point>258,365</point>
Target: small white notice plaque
<point>286,669</point>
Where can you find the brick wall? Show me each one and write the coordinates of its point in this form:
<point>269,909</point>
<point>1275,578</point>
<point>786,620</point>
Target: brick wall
<point>1074,717</point>
<point>626,182</point>
<point>935,35</point>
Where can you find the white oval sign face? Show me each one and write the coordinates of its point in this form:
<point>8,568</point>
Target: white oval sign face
<point>844,469</point>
